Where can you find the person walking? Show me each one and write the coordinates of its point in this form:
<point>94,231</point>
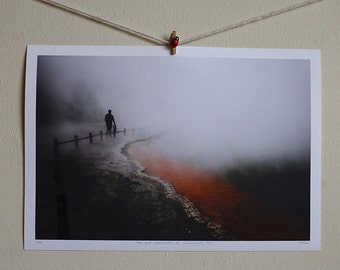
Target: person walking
<point>109,119</point>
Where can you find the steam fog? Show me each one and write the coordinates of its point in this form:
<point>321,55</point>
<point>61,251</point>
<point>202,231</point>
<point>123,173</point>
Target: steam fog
<point>212,111</point>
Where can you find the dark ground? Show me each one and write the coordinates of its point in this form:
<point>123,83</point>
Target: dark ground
<point>98,204</point>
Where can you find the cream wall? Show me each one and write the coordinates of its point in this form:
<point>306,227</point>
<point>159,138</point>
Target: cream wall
<point>26,22</point>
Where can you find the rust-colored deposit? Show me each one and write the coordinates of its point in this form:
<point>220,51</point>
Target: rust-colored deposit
<point>241,213</point>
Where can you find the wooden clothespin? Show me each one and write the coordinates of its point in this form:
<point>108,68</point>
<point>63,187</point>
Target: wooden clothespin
<point>173,42</point>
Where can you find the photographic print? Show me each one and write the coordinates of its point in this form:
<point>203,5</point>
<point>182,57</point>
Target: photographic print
<point>130,148</point>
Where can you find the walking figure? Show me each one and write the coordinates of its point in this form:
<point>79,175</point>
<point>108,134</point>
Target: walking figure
<point>109,119</point>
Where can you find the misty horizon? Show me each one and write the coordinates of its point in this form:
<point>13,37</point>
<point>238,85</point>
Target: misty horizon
<point>216,109</point>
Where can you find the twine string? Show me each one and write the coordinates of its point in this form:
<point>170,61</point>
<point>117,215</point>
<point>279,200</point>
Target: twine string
<point>249,21</point>
<point>106,22</point>
<point>185,41</point>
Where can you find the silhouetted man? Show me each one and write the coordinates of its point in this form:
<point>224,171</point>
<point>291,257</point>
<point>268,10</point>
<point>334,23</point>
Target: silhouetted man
<point>109,119</point>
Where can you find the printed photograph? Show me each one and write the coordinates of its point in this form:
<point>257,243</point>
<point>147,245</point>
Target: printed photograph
<point>171,148</point>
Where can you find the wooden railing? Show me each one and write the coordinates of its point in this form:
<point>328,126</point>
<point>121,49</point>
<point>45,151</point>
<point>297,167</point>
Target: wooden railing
<point>90,137</point>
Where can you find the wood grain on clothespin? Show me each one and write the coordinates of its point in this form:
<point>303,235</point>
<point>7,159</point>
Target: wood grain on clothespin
<point>173,42</point>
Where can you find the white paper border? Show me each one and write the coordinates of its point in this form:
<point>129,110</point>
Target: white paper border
<point>30,243</point>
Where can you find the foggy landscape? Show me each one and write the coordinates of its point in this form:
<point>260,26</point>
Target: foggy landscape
<point>211,111</point>
<point>228,140</point>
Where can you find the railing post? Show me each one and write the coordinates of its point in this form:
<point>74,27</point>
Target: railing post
<point>124,131</point>
<point>61,204</point>
<point>76,141</point>
<point>60,196</point>
<point>56,147</point>
<point>101,135</point>
<point>90,137</point>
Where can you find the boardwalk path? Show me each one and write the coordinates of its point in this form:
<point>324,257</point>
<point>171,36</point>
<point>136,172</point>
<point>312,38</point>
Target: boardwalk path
<point>109,198</point>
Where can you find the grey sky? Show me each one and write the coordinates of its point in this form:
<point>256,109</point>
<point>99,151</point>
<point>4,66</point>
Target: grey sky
<point>207,105</point>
